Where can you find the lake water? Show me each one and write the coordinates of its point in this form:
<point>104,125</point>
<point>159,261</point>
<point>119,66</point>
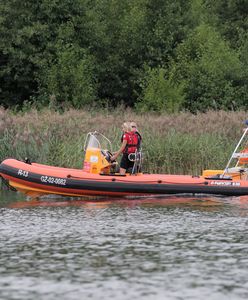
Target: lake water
<point>187,247</point>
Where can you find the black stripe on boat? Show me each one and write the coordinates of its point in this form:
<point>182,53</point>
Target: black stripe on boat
<point>122,187</point>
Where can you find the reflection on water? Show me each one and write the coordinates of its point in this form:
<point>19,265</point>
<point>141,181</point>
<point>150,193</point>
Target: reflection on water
<point>184,247</point>
<point>199,203</point>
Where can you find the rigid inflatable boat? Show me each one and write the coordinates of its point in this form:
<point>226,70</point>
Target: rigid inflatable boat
<point>98,177</point>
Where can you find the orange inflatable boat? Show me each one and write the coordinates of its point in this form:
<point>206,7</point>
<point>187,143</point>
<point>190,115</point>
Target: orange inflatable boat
<point>97,178</point>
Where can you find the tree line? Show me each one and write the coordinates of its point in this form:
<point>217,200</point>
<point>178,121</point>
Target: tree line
<point>154,55</point>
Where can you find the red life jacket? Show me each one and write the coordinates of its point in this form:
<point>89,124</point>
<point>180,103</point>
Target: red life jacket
<point>132,142</point>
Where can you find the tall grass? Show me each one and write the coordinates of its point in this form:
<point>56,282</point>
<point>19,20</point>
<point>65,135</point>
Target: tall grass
<point>176,143</point>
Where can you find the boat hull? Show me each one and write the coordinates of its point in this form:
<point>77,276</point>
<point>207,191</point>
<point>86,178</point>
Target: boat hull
<point>36,180</point>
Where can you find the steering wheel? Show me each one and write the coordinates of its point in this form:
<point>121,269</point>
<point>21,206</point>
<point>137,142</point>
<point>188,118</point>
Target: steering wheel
<point>107,154</point>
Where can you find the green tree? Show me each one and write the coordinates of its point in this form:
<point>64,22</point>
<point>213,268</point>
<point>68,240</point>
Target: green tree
<point>30,32</point>
<point>231,19</point>
<point>128,35</point>
<point>19,51</point>
<point>160,93</point>
<point>71,78</point>
<point>88,50</point>
<point>211,70</point>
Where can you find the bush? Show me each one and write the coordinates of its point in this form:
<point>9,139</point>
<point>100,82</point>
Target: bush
<point>71,79</point>
<point>159,93</point>
<point>211,71</point>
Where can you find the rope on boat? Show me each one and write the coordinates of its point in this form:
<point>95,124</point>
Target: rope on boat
<point>130,181</point>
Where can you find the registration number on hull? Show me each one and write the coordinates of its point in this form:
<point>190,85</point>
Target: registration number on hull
<point>53,180</point>
<point>44,178</point>
<point>22,173</point>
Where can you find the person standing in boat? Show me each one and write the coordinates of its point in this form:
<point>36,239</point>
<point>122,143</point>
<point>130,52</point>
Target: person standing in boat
<point>135,130</point>
<point>129,145</point>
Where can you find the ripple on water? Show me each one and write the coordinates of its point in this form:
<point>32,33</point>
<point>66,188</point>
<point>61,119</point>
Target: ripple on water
<point>163,248</point>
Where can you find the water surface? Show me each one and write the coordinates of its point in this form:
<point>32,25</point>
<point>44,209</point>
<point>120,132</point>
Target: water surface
<point>185,247</point>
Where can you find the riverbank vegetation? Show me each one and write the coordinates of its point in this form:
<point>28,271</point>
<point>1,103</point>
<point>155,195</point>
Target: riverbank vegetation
<point>152,55</point>
<point>172,143</point>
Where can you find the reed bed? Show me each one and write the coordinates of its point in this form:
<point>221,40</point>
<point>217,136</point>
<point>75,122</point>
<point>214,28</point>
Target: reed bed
<point>180,143</point>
